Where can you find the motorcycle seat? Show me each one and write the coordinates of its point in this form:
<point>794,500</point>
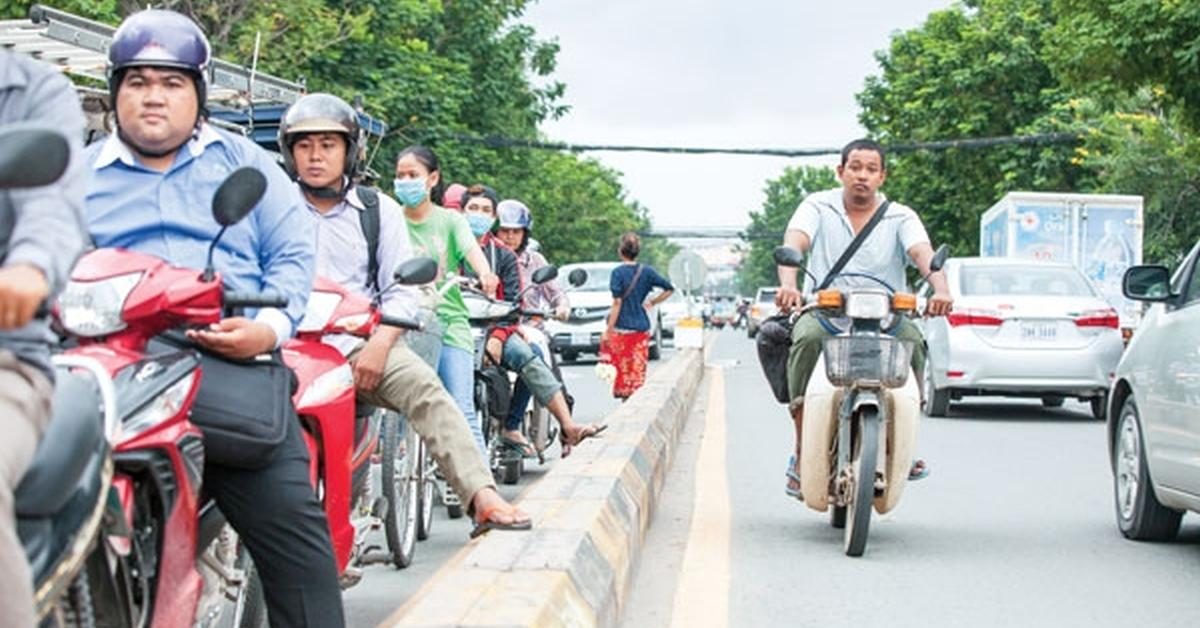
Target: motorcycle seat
<point>73,439</point>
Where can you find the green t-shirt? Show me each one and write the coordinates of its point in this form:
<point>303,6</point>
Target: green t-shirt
<point>446,237</point>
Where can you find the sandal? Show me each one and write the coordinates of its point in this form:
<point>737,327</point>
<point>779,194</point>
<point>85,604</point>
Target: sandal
<point>485,524</point>
<point>527,450</point>
<point>919,470</point>
<point>792,476</point>
<point>585,432</point>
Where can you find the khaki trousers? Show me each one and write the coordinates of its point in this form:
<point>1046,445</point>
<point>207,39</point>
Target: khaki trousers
<point>25,396</point>
<point>411,387</point>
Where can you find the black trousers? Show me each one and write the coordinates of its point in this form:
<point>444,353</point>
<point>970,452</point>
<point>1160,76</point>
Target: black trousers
<point>278,517</point>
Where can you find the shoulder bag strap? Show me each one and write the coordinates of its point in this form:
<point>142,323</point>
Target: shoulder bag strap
<point>632,282</point>
<point>369,219</point>
<point>854,246</point>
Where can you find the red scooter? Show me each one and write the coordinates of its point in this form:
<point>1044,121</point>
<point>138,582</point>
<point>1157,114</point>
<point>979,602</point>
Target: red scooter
<point>169,558</point>
<point>342,438</point>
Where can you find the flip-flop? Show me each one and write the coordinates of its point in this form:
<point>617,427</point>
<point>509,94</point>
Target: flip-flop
<point>486,525</point>
<point>591,431</point>
<point>527,450</point>
<point>792,476</point>
<point>919,470</point>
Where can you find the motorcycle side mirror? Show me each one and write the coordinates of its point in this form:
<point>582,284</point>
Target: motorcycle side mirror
<point>544,274</point>
<point>416,271</point>
<point>787,256</point>
<point>32,157</point>
<point>233,201</point>
<point>577,277</point>
<point>238,195</point>
<point>939,258</point>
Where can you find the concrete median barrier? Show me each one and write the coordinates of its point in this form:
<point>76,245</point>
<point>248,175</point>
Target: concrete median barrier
<point>590,514</point>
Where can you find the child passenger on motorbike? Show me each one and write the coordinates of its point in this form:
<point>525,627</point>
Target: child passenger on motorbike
<point>506,346</point>
<point>320,138</point>
<point>823,227</point>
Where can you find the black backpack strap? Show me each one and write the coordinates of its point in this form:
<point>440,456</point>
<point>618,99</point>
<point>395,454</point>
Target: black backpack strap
<point>854,246</point>
<point>369,219</point>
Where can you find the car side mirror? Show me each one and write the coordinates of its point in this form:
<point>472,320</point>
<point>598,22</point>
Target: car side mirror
<point>939,258</point>
<point>787,256</point>
<point>416,271</point>
<point>238,195</point>
<point>577,277</point>
<point>1150,283</point>
<point>32,157</point>
<point>544,274</point>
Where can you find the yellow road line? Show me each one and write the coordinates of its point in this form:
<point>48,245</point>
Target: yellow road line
<point>702,596</point>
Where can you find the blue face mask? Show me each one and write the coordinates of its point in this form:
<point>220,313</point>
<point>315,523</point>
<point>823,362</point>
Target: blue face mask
<point>409,192</point>
<point>480,223</point>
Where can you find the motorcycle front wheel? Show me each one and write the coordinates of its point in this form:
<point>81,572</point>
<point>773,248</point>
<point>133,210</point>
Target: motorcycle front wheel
<point>399,481</point>
<point>862,490</point>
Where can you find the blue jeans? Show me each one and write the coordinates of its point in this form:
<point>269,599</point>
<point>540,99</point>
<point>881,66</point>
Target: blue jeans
<point>456,368</point>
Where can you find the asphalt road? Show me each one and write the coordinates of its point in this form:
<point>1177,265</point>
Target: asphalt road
<point>1014,527</point>
<point>383,588</point>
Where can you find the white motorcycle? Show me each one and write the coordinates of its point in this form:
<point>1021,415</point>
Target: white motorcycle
<point>861,408</point>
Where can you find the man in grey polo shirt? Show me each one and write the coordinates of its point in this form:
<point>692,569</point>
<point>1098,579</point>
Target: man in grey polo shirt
<point>823,226</point>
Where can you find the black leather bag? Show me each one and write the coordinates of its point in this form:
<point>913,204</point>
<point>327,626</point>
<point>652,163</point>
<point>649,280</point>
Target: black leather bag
<point>243,406</point>
<point>774,340</point>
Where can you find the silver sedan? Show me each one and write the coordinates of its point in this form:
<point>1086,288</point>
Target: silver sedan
<point>1021,328</point>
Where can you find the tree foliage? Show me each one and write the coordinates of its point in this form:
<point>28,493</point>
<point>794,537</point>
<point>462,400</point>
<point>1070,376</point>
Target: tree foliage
<point>765,232</point>
<point>431,69</point>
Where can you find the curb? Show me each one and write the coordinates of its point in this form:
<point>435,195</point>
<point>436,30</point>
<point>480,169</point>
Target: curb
<point>590,515</point>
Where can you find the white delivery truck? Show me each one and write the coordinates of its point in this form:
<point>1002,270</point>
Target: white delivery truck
<point>1101,234</point>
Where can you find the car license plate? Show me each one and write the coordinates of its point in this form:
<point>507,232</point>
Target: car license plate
<point>580,338</point>
<point>1039,331</point>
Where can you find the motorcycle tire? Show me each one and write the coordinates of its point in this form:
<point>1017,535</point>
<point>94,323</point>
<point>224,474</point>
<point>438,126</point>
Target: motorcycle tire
<point>858,511</point>
<point>75,609</point>
<point>425,495</point>
<point>253,612</point>
<point>398,478</point>
<point>510,471</point>
<point>837,517</point>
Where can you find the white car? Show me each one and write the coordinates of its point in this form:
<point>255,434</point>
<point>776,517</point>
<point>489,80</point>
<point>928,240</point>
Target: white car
<point>590,304</point>
<point>1020,328</point>
<point>762,308</point>
<point>672,311</point>
<point>1154,414</point>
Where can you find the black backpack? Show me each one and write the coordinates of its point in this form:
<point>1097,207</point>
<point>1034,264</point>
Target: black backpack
<point>369,219</point>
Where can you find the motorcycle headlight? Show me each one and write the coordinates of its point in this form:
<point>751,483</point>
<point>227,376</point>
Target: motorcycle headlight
<point>319,310</point>
<point>161,408</point>
<point>93,308</point>
<point>868,305</point>
<point>327,386</point>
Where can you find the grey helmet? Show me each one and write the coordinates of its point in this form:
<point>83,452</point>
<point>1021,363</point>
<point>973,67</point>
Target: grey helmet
<point>320,113</point>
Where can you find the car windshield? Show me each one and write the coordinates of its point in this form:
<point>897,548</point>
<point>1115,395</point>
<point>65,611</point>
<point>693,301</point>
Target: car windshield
<point>1030,280</point>
<point>766,296</point>
<point>597,278</point>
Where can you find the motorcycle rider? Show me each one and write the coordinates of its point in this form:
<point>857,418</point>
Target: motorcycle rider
<point>152,183</point>
<point>507,347</point>
<point>823,226</point>
<point>41,234</point>
<point>320,139</point>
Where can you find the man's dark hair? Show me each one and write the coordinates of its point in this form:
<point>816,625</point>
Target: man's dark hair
<point>865,144</point>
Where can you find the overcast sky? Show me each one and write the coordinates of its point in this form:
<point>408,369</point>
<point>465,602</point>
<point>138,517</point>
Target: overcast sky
<point>727,73</point>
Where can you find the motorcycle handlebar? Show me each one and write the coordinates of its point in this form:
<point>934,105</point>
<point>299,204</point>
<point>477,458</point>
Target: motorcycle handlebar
<point>402,322</point>
<point>254,299</point>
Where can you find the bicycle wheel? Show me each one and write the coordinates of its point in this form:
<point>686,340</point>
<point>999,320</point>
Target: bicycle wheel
<point>398,482</point>
<point>425,494</point>
<point>862,490</point>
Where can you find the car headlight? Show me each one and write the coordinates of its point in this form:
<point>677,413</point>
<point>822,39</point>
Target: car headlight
<point>93,308</point>
<point>320,308</point>
<point>328,386</point>
<point>161,408</point>
<point>868,305</point>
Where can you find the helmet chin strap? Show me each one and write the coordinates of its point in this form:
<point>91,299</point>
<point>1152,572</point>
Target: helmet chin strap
<point>327,192</point>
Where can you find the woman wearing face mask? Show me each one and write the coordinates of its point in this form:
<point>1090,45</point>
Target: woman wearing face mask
<point>506,346</point>
<point>446,237</point>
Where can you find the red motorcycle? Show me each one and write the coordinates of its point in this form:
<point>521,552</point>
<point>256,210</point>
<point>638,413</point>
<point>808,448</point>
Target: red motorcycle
<point>169,559</point>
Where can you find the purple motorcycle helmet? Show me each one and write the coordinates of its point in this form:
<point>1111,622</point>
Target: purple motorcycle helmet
<point>161,39</point>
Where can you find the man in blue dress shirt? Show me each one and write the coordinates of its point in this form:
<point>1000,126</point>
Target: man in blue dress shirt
<point>151,189</point>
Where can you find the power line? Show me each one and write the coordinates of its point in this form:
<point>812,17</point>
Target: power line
<point>496,141</point>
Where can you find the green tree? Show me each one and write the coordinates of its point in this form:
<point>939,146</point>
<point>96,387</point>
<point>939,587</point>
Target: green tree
<point>973,70</point>
<point>765,232</point>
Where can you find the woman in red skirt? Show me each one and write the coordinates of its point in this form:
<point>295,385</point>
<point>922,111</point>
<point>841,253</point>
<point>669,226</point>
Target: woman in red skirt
<point>626,337</point>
